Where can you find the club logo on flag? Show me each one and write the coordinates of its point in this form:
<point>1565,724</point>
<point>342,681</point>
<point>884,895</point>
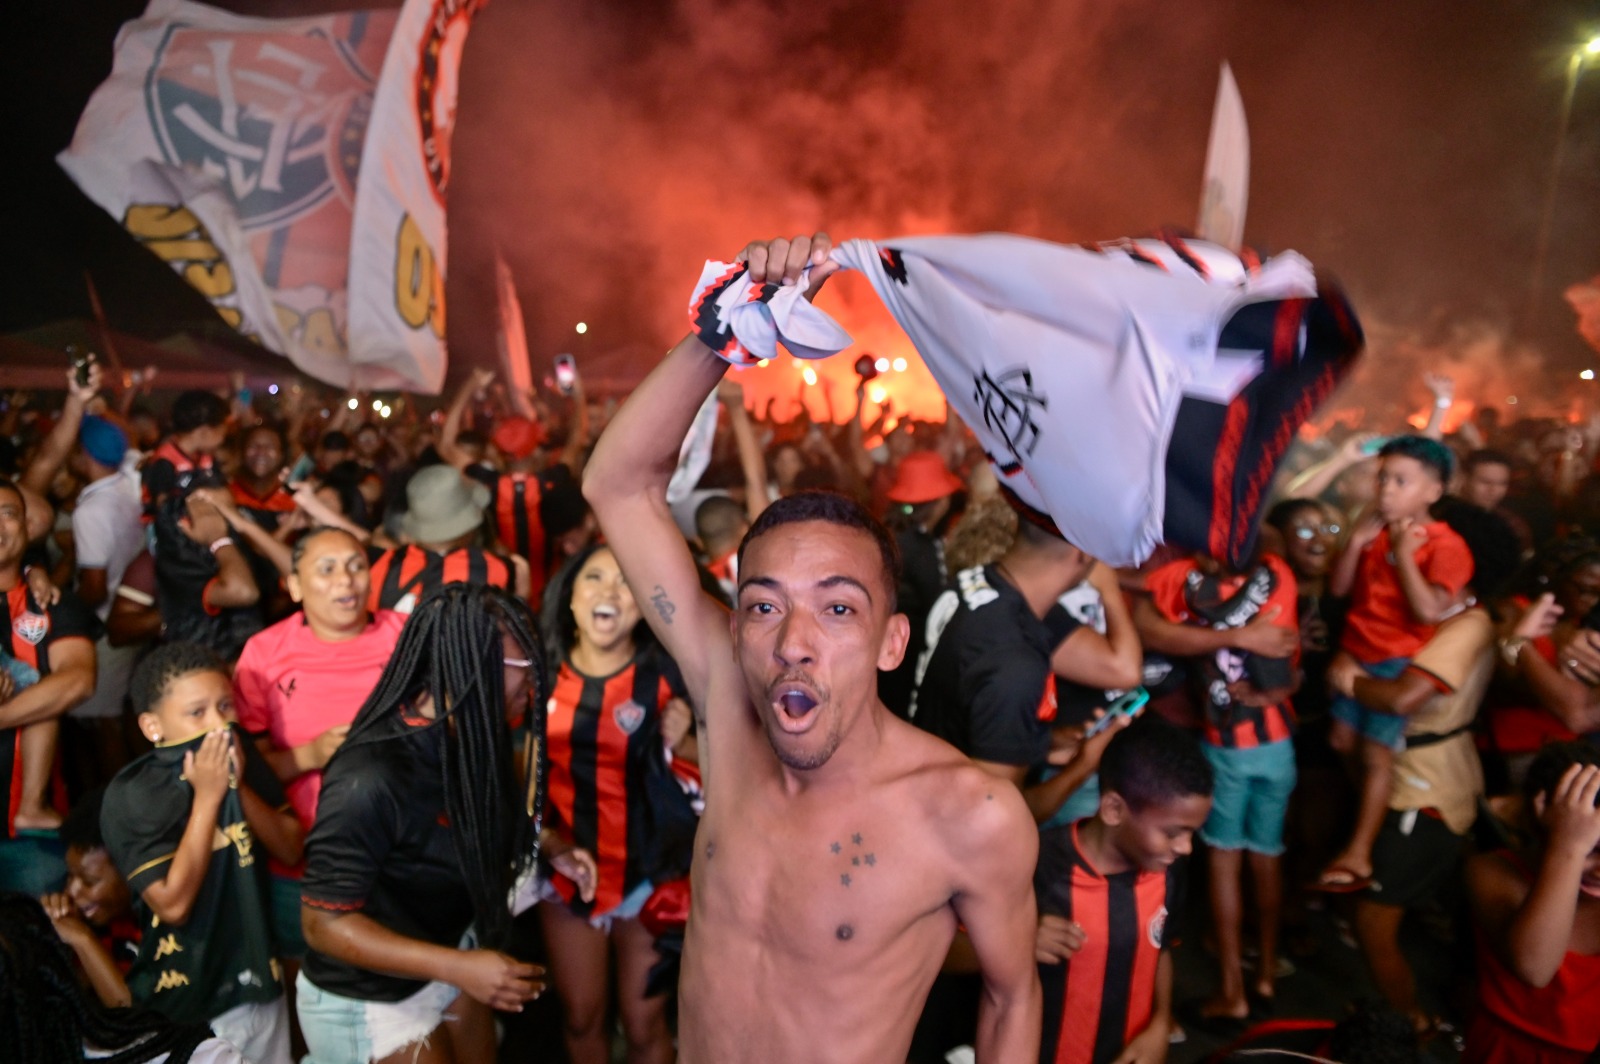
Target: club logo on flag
<point>628,716</point>
<point>1007,403</point>
<point>31,628</point>
<point>279,120</point>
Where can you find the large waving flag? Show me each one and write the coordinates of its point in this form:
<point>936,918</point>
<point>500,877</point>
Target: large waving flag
<point>1127,394</point>
<point>293,171</point>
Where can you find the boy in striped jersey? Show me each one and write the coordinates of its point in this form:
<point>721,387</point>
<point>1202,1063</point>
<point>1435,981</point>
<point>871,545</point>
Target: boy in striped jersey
<point>1105,886</point>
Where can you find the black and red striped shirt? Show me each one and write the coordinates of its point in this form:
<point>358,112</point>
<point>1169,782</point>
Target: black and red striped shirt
<point>31,632</point>
<point>601,730</point>
<point>401,577</point>
<point>266,510</point>
<point>515,499</point>
<point>1097,1002</point>
<point>170,471</point>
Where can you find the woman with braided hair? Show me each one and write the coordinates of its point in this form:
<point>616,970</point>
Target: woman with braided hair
<point>48,1017</point>
<point>423,827</point>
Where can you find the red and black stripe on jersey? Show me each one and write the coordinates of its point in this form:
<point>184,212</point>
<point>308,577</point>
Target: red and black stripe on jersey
<point>601,731</point>
<point>266,510</point>
<point>170,471</point>
<point>517,523</point>
<point>1095,1003</point>
<point>29,633</point>
<point>414,570</point>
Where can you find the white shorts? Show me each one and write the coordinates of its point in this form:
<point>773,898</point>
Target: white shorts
<point>258,1030</point>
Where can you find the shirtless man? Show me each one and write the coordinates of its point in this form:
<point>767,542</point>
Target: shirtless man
<point>840,846</point>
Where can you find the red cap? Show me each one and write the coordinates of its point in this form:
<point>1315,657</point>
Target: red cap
<point>517,437</point>
<point>922,477</point>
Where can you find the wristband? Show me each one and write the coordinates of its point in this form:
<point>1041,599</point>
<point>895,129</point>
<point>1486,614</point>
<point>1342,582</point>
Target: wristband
<point>225,541</point>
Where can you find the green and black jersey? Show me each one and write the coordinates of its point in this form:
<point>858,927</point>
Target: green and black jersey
<point>222,956</point>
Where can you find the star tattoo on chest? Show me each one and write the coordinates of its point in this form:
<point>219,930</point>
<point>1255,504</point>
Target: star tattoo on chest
<point>858,861</point>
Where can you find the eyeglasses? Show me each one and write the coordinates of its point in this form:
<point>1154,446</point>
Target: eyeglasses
<point>1310,531</point>
<point>518,663</point>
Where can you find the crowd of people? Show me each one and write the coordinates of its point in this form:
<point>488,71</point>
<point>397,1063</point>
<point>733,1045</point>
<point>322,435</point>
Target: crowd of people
<point>302,713</point>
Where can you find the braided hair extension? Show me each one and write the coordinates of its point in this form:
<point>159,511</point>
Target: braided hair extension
<point>47,1017</point>
<point>452,648</point>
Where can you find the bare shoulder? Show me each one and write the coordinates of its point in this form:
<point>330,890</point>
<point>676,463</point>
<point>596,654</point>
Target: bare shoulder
<point>976,815</point>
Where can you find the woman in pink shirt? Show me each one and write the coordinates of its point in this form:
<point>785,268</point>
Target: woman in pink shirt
<point>300,683</point>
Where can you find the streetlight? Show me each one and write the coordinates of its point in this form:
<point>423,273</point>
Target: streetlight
<point>583,327</point>
<point>1575,63</point>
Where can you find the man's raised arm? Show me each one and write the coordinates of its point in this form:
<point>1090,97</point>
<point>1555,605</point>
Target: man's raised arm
<point>626,483</point>
<point>626,480</point>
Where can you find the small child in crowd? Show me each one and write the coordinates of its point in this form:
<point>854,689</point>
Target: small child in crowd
<point>182,823</point>
<point>1538,923</point>
<point>1404,573</point>
<point>1106,886</point>
<point>1247,736</point>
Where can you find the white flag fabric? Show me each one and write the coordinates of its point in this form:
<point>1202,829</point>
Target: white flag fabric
<point>1131,393</point>
<point>512,340</point>
<point>1225,193</point>
<point>291,171</point>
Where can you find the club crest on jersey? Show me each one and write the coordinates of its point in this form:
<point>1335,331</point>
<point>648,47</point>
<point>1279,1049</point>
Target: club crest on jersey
<point>1158,926</point>
<point>31,628</point>
<point>628,716</point>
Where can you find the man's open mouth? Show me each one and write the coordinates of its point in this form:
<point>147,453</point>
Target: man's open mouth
<point>794,703</point>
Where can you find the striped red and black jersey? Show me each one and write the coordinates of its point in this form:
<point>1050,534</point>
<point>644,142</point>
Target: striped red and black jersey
<point>31,632</point>
<point>601,731</point>
<point>515,500</point>
<point>1097,1002</point>
<point>169,471</point>
<point>1184,594</point>
<point>400,577</point>
<point>267,510</point>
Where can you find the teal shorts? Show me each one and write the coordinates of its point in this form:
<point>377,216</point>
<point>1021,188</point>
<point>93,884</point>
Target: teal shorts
<point>1250,795</point>
<point>1385,729</point>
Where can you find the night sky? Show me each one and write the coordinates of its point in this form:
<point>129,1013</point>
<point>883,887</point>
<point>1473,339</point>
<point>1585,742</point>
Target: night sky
<point>609,147</point>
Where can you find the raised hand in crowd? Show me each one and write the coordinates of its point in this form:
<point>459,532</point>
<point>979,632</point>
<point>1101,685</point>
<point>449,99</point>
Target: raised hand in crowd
<point>1444,393</point>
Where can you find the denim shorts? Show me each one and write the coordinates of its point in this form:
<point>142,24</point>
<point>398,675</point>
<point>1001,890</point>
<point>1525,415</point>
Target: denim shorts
<point>1250,795</point>
<point>342,1030</point>
<point>1385,729</point>
<point>626,909</point>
